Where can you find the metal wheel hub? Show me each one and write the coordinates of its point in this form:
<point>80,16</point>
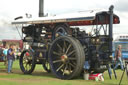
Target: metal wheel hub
<point>64,58</point>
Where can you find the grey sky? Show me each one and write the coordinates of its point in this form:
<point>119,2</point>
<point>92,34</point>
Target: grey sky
<point>122,5</point>
<point>9,9</point>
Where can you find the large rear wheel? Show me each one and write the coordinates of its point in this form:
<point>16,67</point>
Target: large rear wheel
<point>27,62</point>
<point>66,57</point>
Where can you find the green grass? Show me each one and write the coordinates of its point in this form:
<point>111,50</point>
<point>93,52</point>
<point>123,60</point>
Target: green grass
<point>40,77</point>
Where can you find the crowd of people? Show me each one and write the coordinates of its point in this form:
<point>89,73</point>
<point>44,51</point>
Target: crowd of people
<point>3,53</point>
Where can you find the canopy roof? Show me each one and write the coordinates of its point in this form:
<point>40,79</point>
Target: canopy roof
<point>86,18</point>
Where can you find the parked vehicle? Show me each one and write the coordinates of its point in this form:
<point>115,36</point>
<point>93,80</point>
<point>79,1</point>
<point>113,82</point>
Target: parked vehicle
<point>56,41</point>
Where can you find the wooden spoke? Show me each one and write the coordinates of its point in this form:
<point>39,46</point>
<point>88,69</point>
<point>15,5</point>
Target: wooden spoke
<point>59,67</point>
<point>57,61</point>
<point>64,69</point>
<point>68,48</point>
<point>65,44</point>
<point>64,47</point>
<point>54,52</point>
<point>72,65</point>
<point>70,53</point>
<point>59,47</point>
<point>69,67</point>
<point>71,58</point>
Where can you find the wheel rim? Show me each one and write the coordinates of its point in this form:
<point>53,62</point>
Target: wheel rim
<point>63,58</point>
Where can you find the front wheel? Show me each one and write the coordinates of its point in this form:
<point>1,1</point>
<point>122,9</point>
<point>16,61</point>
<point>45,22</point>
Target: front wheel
<point>27,62</point>
<point>66,57</point>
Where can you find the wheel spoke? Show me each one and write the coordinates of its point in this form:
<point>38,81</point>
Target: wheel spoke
<point>57,61</point>
<point>72,65</point>
<point>59,47</point>
<point>69,68</point>
<point>64,47</point>
<point>60,67</point>
<point>54,52</point>
<point>71,53</point>
<point>71,58</point>
<point>68,48</point>
<point>64,69</point>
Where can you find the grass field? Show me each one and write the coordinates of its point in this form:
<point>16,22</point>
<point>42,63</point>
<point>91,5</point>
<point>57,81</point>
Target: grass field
<point>40,77</point>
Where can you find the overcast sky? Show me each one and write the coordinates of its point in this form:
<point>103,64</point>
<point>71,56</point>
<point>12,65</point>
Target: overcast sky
<point>9,9</point>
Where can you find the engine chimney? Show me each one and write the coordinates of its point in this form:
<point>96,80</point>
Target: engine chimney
<point>41,8</point>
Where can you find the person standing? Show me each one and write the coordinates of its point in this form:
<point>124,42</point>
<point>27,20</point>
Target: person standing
<point>5,51</point>
<point>118,55</point>
<point>10,57</point>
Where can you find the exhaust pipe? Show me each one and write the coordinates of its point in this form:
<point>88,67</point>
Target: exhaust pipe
<point>111,36</point>
<point>111,27</point>
<point>41,8</point>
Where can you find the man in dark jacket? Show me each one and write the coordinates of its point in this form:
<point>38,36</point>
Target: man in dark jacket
<point>10,57</point>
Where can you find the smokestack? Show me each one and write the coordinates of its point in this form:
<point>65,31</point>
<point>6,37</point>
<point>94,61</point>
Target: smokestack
<point>111,27</point>
<point>41,8</point>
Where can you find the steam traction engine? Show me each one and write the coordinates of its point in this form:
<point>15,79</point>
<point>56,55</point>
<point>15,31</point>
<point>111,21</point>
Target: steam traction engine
<point>56,41</point>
